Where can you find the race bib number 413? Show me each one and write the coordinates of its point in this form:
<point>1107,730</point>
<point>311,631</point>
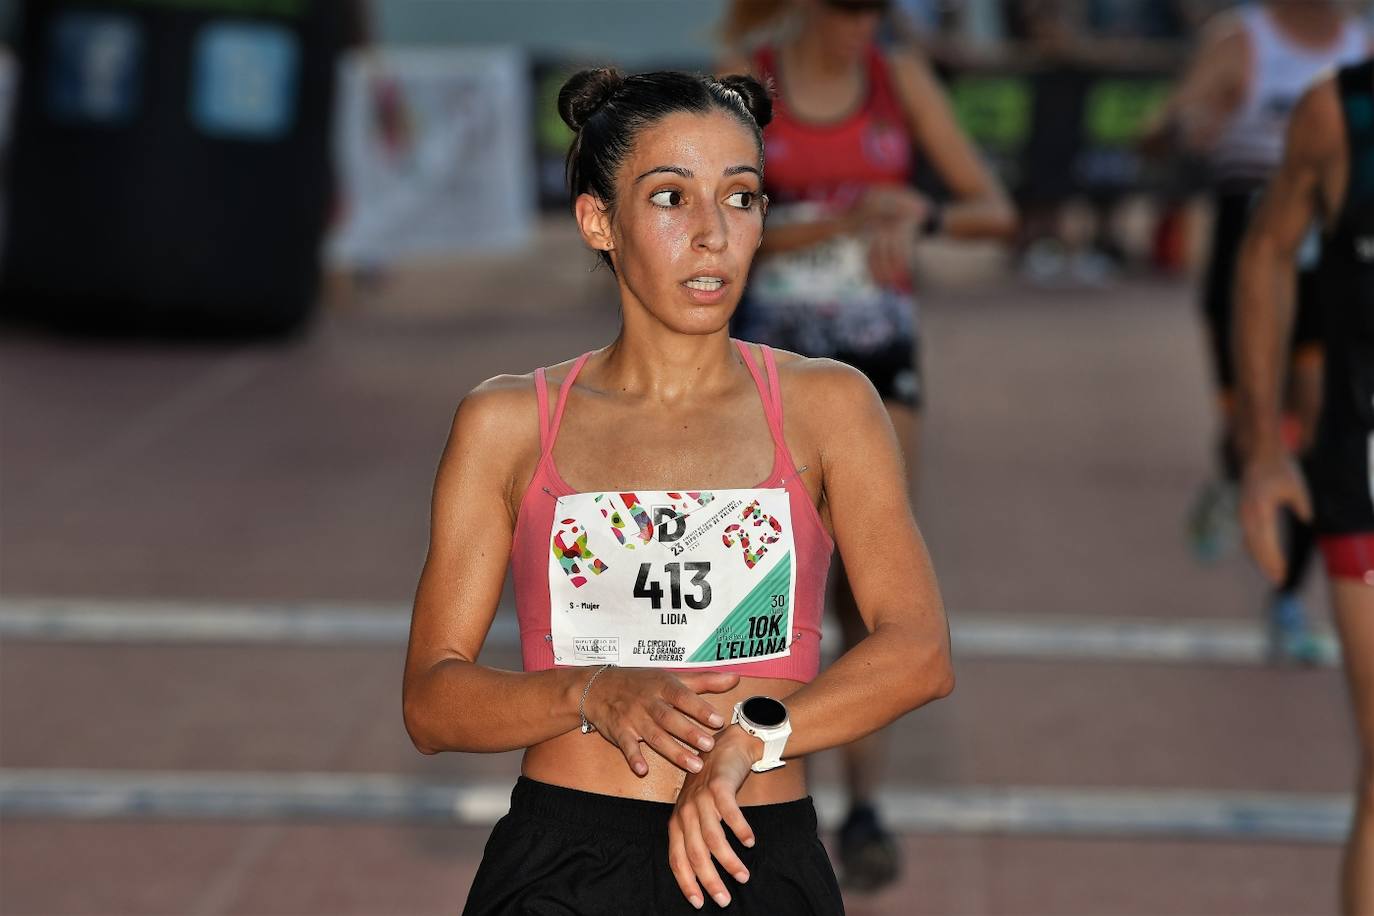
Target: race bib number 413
<point>672,579</point>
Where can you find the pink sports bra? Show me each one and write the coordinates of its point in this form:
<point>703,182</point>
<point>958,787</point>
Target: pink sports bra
<point>555,558</point>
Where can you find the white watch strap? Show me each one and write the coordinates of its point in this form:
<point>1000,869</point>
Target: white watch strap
<point>772,755</point>
<point>772,746</point>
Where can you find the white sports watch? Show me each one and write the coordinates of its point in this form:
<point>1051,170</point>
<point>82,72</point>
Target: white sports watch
<point>766,719</point>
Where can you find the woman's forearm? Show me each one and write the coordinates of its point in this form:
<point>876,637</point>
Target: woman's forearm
<point>890,672</point>
<point>462,706</point>
<point>792,236</point>
<point>989,217</point>
<point>1263,324</point>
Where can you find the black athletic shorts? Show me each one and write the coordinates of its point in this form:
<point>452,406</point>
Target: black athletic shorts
<point>561,851</point>
<point>1343,454</point>
<point>1233,210</point>
<point>879,339</point>
<point>895,370</point>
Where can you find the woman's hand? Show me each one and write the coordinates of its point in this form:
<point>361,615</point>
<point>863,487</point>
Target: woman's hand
<point>630,705</point>
<point>1270,483</point>
<point>888,217</point>
<point>887,204</point>
<point>694,831</point>
<point>889,253</point>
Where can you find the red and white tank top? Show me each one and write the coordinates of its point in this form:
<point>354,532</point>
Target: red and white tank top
<point>834,162</point>
<point>813,171</point>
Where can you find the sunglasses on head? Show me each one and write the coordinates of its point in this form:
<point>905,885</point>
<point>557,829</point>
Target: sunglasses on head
<point>859,6</point>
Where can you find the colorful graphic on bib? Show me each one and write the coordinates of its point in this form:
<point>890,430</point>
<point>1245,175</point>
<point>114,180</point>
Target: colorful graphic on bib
<point>764,528</point>
<point>712,577</point>
<point>617,521</point>
<point>636,512</point>
<point>575,558</point>
<point>664,523</point>
<point>692,500</point>
<point>659,517</point>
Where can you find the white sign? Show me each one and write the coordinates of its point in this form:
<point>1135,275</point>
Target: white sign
<point>433,152</point>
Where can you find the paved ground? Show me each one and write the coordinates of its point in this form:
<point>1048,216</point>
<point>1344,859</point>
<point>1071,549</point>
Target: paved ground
<point>1066,435</point>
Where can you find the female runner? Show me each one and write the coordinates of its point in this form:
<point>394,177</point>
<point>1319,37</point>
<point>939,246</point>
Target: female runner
<point>833,278</point>
<point>668,505</point>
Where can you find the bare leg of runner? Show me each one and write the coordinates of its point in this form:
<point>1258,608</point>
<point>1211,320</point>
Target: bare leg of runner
<point>1291,638</point>
<point>865,759</point>
<point>1354,605</point>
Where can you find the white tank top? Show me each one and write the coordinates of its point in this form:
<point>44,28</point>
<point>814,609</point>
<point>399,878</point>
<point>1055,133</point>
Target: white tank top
<point>1251,147</point>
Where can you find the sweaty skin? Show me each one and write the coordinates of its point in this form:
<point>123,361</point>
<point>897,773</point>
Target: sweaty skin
<point>687,206</point>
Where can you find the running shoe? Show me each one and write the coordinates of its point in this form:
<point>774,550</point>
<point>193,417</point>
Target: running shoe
<point>1092,268</point>
<point>1291,639</point>
<point>1213,528</point>
<point>869,857</point>
<point>1045,263</point>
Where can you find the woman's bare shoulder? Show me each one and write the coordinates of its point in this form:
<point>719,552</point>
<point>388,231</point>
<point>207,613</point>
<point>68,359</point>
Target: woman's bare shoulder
<point>509,399</point>
<point>823,389</point>
<point>499,418</point>
<point>499,400</point>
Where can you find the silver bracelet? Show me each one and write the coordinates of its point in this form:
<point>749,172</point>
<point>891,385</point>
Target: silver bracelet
<point>587,727</point>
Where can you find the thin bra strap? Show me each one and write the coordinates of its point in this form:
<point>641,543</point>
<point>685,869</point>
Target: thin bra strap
<point>563,390</point>
<point>774,391</point>
<point>772,403</point>
<point>541,392</point>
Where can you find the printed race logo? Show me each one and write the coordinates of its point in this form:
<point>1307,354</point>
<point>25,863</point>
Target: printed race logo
<point>886,146</point>
<point>596,649</point>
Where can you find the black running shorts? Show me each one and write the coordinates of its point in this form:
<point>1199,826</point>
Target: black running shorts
<point>1218,297</point>
<point>569,852</point>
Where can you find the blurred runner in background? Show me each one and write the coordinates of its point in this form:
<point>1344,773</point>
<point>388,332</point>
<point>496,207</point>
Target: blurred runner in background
<point>1233,104</point>
<point>1327,175</point>
<point>833,277</point>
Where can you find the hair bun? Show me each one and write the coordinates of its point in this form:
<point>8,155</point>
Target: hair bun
<point>585,92</point>
<point>756,98</point>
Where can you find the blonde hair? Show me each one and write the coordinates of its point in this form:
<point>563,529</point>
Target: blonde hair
<point>743,18</point>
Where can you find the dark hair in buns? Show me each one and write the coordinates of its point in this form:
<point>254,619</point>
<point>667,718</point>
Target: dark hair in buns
<point>753,94</point>
<point>585,92</point>
<point>608,111</point>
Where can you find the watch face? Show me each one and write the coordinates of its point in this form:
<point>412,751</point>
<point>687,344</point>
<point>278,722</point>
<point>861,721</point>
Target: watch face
<point>764,712</point>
